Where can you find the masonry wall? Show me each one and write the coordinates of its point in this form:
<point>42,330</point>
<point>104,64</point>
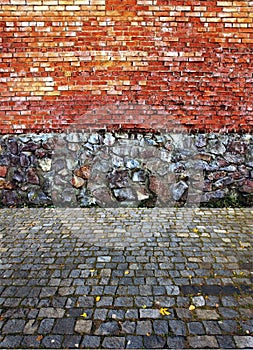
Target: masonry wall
<point>66,64</point>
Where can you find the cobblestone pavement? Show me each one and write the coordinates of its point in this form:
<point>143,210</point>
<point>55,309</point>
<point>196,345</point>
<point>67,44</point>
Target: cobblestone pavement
<point>126,278</point>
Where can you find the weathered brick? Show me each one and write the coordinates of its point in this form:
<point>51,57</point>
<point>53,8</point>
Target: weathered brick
<point>149,44</point>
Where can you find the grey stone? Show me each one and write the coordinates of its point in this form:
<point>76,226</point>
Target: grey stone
<point>10,342</point>
<point>83,326</point>
<point>160,327</point>
<point>86,301</point>
<point>131,314</point>
<point>178,190</point>
<point>105,301</point>
<point>108,328</point>
<point>128,327</point>
<point>91,342</point>
<point>149,313</point>
<point>50,312</point>
<point>123,301</point>
<point>203,342</point>
<point>207,314</point>
<point>143,327</point>
<point>52,341</point>
<point>124,194</point>
<point>200,141</point>
<point>141,301</point>
<point>13,326</point>
<point>45,164</point>
<point>31,327</point>
<point>221,183</point>
<point>104,259</point>
<point>72,342</point>
<point>132,164</point>
<point>198,301</point>
<point>134,342</point>
<point>109,139</point>
<point>94,139</point>
<point>100,314</point>
<point>172,290</point>
<point>139,176</point>
<point>212,327</point>
<point>176,342</point>
<point>154,342</point>
<point>64,326</point>
<point>228,326</point>
<point>226,342</point>
<point>196,328</point>
<point>114,343</point>
<point>177,327</point>
<point>229,301</point>
<point>116,314</point>
<point>244,342</point>
<point>216,147</point>
<point>46,326</point>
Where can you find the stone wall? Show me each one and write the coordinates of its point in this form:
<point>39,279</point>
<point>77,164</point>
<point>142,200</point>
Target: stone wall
<point>111,169</point>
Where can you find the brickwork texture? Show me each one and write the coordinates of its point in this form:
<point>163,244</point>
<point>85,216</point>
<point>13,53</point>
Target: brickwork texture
<point>62,62</point>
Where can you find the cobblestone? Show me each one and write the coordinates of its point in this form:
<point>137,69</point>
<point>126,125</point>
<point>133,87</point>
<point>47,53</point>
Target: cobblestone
<point>168,288</point>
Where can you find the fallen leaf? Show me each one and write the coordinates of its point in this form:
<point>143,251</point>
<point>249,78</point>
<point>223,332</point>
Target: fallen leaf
<point>84,315</point>
<point>39,337</point>
<point>148,334</point>
<point>195,230</point>
<point>98,298</point>
<point>144,306</point>
<point>192,307</point>
<point>127,272</point>
<point>164,311</point>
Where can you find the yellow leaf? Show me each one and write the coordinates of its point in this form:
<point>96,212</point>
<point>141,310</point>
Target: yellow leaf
<point>92,270</point>
<point>148,334</point>
<point>98,298</point>
<point>144,306</point>
<point>192,307</point>
<point>127,272</point>
<point>164,311</point>
<point>84,315</point>
<point>195,230</point>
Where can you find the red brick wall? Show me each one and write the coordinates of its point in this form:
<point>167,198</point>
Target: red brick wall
<point>190,60</point>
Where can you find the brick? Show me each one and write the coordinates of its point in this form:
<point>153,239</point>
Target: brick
<point>3,171</point>
<point>150,43</point>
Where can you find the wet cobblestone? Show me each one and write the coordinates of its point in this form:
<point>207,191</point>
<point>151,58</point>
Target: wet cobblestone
<point>182,282</point>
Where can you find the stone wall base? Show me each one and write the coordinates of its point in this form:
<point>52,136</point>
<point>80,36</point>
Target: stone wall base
<point>119,169</point>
